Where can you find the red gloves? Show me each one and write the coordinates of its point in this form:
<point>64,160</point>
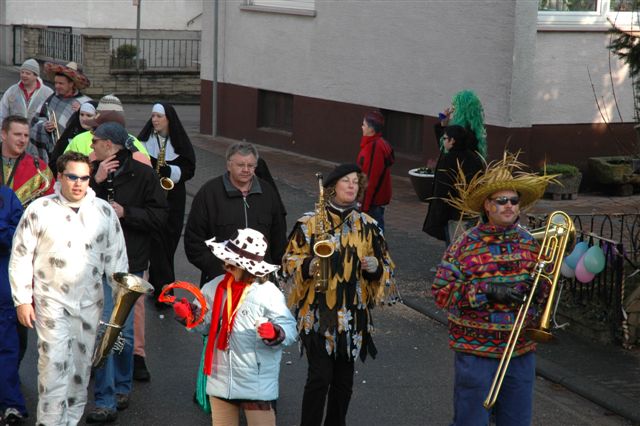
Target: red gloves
<point>267,331</point>
<point>182,309</point>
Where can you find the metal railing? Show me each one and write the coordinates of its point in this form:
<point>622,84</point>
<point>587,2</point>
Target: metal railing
<point>156,53</point>
<point>61,45</point>
<point>600,302</point>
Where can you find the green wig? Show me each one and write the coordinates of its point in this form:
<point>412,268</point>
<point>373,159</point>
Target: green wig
<point>468,113</point>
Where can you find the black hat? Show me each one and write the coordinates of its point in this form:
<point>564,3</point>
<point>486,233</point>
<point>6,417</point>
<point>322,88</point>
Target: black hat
<point>339,172</point>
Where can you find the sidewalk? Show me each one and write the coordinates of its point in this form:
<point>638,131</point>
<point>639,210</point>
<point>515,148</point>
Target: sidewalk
<point>607,375</point>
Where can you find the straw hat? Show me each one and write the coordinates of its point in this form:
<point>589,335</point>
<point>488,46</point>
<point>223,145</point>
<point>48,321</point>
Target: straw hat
<point>246,251</point>
<point>501,175</point>
<point>71,70</point>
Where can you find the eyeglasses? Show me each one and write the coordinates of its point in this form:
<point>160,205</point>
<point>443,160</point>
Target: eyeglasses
<point>75,178</point>
<point>96,140</point>
<point>502,201</point>
<point>249,166</point>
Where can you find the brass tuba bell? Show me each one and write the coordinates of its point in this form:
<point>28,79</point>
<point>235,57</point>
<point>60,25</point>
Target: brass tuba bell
<point>127,290</point>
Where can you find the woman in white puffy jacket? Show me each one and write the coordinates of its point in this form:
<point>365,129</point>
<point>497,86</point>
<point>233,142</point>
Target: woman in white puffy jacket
<point>244,348</point>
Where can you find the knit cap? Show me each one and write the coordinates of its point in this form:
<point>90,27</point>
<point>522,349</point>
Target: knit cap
<point>31,65</point>
<point>110,103</point>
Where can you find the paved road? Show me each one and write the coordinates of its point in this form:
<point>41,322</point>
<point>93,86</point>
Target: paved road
<point>410,383</point>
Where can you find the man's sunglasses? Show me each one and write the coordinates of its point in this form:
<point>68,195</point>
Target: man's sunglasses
<point>502,201</point>
<point>74,178</point>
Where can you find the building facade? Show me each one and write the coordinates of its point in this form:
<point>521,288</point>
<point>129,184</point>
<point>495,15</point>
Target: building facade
<point>300,74</point>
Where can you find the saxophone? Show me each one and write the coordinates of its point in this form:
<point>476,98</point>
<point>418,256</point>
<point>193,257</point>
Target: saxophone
<point>43,188</point>
<point>165,182</point>
<point>323,248</point>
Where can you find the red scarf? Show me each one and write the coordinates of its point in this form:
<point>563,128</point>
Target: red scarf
<point>225,313</point>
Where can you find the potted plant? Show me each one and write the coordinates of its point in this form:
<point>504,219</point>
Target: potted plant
<point>125,56</point>
<point>422,181</point>
<point>568,183</point>
<point>620,174</point>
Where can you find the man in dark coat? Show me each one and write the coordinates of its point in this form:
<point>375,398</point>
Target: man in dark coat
<point>238,199</point>
<point>133,191</point>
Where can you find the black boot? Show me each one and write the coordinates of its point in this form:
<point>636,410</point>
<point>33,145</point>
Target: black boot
<point>140,372</point>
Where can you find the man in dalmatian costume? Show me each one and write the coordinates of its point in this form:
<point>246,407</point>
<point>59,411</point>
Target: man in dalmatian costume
<point>64,243</point>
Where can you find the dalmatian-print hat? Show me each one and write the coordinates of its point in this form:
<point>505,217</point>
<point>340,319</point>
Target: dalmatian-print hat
<point>246,251</point>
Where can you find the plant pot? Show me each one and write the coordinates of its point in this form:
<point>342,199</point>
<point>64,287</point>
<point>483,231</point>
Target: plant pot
<point>566,188</point>
<point>422,184</point>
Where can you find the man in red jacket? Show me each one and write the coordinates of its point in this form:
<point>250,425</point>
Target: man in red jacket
<point>375,159</point>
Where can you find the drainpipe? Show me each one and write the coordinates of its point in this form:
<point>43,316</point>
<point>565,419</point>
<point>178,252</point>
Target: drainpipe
<point>214,95</point>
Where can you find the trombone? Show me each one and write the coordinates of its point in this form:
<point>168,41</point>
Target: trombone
<point>51,116</point>
<point>557,234</point>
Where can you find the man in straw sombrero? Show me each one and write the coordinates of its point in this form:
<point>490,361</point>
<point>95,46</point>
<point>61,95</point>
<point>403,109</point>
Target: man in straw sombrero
<point>482,280</point>
<point>52,120</point>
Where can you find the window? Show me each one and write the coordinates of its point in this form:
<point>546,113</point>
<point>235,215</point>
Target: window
<point>294,7</point>
<point>275,110</point>
<point>403,131</point>
<point>586,14</point>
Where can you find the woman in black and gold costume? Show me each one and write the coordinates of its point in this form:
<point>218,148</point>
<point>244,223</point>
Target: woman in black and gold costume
<point>335,324</point>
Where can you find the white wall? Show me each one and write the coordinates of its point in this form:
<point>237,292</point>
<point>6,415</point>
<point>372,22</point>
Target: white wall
<point>413,56</point>
<point>169,15</point>
<point>402,55</point>
<point>563,91</point>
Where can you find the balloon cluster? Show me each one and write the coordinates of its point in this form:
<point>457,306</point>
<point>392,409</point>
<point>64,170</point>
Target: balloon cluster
<point>583,263</point>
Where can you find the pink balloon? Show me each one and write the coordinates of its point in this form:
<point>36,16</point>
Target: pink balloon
<point>582,274</point>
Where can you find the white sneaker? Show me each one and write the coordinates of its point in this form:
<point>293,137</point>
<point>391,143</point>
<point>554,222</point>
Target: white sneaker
<point>12,416</point>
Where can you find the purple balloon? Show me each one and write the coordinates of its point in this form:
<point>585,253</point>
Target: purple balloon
<point>567,271</point>
<point>582,274</point>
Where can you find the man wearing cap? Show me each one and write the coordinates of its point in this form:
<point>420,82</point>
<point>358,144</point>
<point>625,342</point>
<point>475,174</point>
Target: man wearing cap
<point>482,280</point>
<point>238,199</point>
<point>26,97</point>
<point>109,109</point>
<point>133,191</point>
<point>58,108</point>
<point>63,246</point>
<point>375,159</point>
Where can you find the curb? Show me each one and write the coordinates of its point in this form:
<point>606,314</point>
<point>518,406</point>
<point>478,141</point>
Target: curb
<point>551,371</point>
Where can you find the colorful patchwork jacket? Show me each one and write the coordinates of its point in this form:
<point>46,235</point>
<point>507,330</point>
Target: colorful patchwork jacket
<point>486,254</point>
<point>341,314</point>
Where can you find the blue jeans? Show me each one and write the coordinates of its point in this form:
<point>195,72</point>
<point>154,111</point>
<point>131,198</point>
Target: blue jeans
<point>473,378</point>
<point>116,375</point>
<point>377,212</point>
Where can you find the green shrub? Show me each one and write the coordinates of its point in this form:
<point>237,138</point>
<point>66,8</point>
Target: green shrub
<point>561,169</point>
<point>126,51</point>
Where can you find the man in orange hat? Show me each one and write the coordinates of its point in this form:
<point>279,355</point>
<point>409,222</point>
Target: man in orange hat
<point>482,281</point>
<point>52,120</point>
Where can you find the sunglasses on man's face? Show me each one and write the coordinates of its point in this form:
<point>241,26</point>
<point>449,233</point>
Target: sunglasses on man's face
<point>74,178</point>
<point>502,201</point>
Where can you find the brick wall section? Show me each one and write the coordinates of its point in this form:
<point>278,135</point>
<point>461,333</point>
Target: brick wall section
<point>30,37</point>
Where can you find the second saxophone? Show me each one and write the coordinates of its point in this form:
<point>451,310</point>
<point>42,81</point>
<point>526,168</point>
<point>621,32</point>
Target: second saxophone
<point>165,182</point>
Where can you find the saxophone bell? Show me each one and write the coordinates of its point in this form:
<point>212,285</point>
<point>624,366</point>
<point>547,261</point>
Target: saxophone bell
<point>165,182</point>
<point>46,184</point>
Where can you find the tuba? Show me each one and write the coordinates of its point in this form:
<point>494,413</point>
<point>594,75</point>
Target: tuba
<point>323,248</point>
<point>128,288</point>
<point>165,182</point>
<point>557,235</point>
